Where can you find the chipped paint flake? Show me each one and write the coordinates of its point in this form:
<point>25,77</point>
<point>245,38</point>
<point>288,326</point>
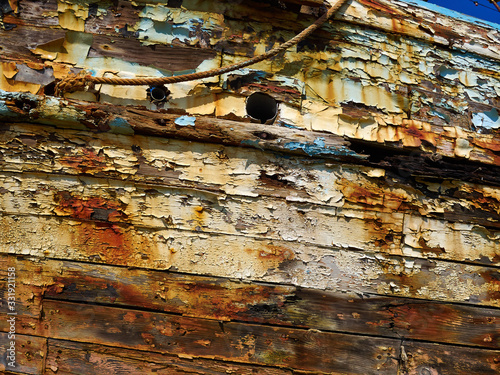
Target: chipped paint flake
<point>186,121</point>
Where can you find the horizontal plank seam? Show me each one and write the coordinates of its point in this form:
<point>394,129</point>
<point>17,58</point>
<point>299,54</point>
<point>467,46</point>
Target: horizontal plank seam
<point>214,234</point>
<point>257,282</point>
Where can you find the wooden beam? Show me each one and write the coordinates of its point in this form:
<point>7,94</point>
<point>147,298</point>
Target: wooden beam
<point>237,342</point>
<point>251,259</point>
<point>228,300</point>
<point>69,357</point>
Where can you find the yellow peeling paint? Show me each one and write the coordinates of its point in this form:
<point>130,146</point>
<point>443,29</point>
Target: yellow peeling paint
<point>7,83</point>
<point>72,49</point>
<point>229,104</point>
<point>49,50</point>
<point>75,48</point>
<point>321,117</point>
<point>9,69</point>
<point>72,15</point>
<point>68,20</point>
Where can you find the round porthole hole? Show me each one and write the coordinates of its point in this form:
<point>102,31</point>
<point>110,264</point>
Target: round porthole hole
<point>261,107</point>
<point>158,94</point>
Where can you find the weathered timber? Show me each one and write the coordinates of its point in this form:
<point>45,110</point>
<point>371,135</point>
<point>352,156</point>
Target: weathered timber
<point>258,260</point>
<point>357,232</point>
<point>434,359</point>
<point>101,117</point>
<point>126,120</point>
<point>31,352</point>
<point>229,300</point>
<point>204,172</point>
<point>207,211</point>
<point>256,344</point>
<point>169,58</point>
<point>66,357</point>
<point>237,342</point>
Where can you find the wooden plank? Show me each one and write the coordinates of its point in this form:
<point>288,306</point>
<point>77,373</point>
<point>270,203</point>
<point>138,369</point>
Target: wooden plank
<point>30,353</point>
<point>433,359</point>
<point>66,357</point>
<point>171,58</point>
<point>139,159</point>
<point>243,343</point>
<point>374,205</point>
<point>102,117</point>
<point>190,209</point>
<point>229,300</point>
<point>16,46</point>
<point>251,259</point>
<point>156,207</point>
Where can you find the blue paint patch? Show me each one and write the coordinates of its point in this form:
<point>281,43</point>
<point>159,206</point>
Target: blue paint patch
<point>281,123</point>
<point>5,111</point>
<point>318,148</point>
<point>185,121</point>
<point>452,13</point>
<point>486,120</point>
<point>443,116</point>
<point>9,96</point>
<point>447,73</point>
<point>120,126</point>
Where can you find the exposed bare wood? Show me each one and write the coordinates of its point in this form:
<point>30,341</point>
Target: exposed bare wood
<point>30,353</point>
<point>424,358</point>
<point>65,357</point>
<point>226,300</point>
<point>238,342</point>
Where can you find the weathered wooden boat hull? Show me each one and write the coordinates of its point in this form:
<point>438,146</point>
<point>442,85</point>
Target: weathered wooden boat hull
<point>355,233</point>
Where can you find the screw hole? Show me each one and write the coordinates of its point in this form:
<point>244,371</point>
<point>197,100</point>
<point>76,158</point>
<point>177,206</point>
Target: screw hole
<point>261,107</point>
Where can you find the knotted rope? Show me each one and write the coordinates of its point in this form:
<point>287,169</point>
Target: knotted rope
<point>80,81</point>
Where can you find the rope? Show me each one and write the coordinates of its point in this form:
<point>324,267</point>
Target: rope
<point>74,83</point>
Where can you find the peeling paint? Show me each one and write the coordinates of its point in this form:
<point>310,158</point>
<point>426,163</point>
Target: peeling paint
<point>487,120</point>
<point>367,212</point>
<point>185,121</point>
<point>318,147</point>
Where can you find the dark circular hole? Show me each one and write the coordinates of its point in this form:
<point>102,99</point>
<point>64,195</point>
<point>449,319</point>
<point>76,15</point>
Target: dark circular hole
<point>158,94</point>
<point>261,107</point>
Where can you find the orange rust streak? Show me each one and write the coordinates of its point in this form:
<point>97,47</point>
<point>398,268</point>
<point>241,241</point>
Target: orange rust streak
<point>95,208</point>
<point>371,195</point>
<point>491,144</point>
<point>87,162</point>
<point>108,242</point>
<point>381,7</point>
<point>272,255</point>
